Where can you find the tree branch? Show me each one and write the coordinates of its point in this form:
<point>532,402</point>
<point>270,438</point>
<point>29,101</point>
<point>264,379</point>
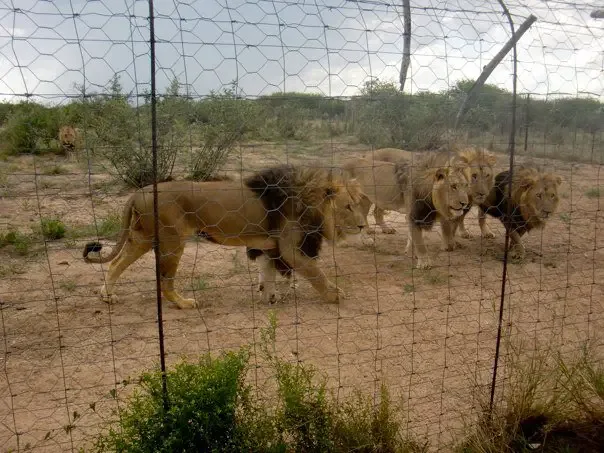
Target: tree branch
<point>488,69</point>
<point>406,43</point>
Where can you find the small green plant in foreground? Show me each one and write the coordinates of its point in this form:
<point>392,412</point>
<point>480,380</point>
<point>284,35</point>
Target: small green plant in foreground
<point>199,284</point>
<point>594,192</point>
<point>21,242</point>
<point>53,229</point>
<point>565,217</point>
<point>211,408</point>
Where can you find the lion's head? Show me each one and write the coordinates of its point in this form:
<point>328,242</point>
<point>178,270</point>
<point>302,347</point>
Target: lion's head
<point>479,171</point>
<point>67,136</point>
<point>449,185</point>
<point>536,193</point>
<point>341,208</point>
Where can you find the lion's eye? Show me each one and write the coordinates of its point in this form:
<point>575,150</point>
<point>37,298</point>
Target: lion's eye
<point>552,195</point>
<point>539,195</point>
<point>349,207</point>
<point>454,186</point>
<point>474,177</point>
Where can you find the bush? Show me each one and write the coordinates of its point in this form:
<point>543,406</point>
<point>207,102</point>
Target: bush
<point>550,405</point>
<point>31,128</point>
<point>226,120</point>
<point>207,401</point>
<point>123,136</point>
<point>211,409</point>
<point>53,229</point>
<point>19,241</point>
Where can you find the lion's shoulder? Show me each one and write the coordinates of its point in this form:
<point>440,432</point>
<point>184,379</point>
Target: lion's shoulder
<point>275,185</point>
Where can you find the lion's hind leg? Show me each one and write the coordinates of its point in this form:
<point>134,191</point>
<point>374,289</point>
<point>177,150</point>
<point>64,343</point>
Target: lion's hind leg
<point>171,250</point>
<point>133,249</point>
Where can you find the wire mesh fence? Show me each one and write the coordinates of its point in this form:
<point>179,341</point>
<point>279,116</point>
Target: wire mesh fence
<point>239,87</point>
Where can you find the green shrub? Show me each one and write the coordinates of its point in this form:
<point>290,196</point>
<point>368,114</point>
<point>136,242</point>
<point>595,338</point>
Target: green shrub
<point>122,135</point>
<point>594,192</point>
<point>206,402</point>
<point>20,242</point>
<point>31,128</point>
<point>210,408</point>
<point>53,229</point>
<point>225,120</point>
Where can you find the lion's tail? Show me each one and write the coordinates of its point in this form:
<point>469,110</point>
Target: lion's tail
<point>124,231</point>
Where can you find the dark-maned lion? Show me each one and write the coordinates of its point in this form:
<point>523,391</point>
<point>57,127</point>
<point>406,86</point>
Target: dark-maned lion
<point>285,211</point>
<point>428,190</point>
<point>534,198</point>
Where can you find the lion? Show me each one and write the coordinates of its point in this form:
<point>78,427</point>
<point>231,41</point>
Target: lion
<point>284,211</point>
<point>533,199</point>
<point>67,139</point>
<point>478,163</point>
<point>428,190</point>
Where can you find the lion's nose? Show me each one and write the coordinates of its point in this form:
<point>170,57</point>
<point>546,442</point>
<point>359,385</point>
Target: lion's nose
<point>361,227</point>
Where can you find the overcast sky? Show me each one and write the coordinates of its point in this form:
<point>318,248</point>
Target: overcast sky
<point>325,46</point>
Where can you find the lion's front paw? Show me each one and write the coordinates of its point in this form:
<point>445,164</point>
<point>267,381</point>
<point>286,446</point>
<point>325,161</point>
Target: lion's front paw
<point>187,303</point>
<point>108,298</point>
<point>269,298</point>
<point>424,263</point>
<point>488,234</point>
<point>517,252</point>
<point>367,239</point>
<point>465,234</point>
<point>334,295</point>
<point>450,246</point>
<point>388,230</point>
<point>370,230</point>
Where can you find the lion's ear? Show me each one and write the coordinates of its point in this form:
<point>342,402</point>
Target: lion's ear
<point>441,173</point>
<point>490,158</point>
<point>331,192</point>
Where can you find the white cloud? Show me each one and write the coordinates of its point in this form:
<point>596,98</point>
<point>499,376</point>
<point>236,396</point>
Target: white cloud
<point>331,46</point>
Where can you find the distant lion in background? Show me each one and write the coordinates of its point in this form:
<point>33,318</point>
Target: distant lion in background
<point>68,136</point>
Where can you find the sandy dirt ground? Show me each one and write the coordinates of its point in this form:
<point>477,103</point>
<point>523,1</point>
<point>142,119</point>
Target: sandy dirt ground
<point>430,335</point>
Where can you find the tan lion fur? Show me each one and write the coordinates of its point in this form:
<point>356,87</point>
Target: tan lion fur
<point>480,164</point>
<point>279,218</point>
<point>427,190</point>
<point>534,198</point>
<point>68,139</point>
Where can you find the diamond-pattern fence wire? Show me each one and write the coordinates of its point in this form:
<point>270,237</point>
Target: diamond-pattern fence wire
<point>243,86</point>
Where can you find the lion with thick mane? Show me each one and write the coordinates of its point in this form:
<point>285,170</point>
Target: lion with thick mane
<point>532,201</point>
<point>67,139</point>
<point>478,163</point>
<point>428,190</point>
<point>283,211</point>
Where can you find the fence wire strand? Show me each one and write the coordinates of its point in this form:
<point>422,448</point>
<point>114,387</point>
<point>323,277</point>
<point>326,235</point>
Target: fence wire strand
<point>162,91</point>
